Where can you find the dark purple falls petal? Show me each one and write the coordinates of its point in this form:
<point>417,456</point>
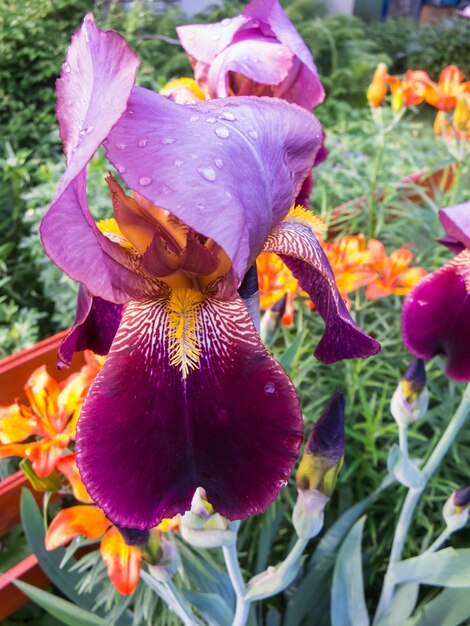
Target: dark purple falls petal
<point>94,328</point>
<point>436,317</point>
<point>303,255</point>
<point>147,438</point>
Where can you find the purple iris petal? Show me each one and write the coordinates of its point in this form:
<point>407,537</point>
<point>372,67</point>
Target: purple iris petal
<point>146,441</point>
<point>436,317</point>
<point>456,222</point>
<point>262,45</point>
<point>229,169</point>
<point>94,328</point>
<point>303,255</point>
<point>326,438</point>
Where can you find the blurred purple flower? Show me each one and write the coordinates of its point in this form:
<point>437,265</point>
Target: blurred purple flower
<point>436,313</point>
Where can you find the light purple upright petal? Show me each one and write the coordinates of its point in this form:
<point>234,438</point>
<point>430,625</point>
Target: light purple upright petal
<point>271,12</point>
<point>456,222</point>
<point>205,41</point>
<point>95,325</point>
<point>96,80</point>
<point>230,169</point>
<point>303,255</point>
<point>233,426</point>
<point>436,317</point>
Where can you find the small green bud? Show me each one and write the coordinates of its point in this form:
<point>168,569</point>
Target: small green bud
<point>272,320</point>
<point>202,527</point>
<point>52,482</point>
<point>169,562</point>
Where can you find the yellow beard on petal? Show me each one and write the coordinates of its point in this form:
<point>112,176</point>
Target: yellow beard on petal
<point>109,227</point>
<point>183,329</point>
<point>303,216</point>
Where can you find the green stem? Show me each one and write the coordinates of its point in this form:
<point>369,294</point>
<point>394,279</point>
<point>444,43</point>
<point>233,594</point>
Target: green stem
<point>413,496</point>
<point>233,568</point>
<point>373,185</point>
<point>179,604</point>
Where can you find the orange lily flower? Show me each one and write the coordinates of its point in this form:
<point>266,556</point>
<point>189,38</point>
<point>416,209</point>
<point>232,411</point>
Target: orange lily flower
<point>394,276</point>
<point>409,91</point>
<point>460,127</point>
<point>276,280</point>
<point>122,561</point>
<point>52,416</point>
<point>378,88</point>
<point>443,95</point>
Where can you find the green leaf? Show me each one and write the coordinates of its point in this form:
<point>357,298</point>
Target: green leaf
<point>446,568</point>
<point>212,607</point>
<point>402,605</point>
<point>404,469</point>
<point>63,610</point>
<point>348,607</point>
<point>289,355</point>
<point>450,608</point>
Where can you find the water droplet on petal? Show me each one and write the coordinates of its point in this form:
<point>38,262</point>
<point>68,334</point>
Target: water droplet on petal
<point>66,67</point>
<point>207,173</point>
<point>222,132</point>
<point>130,112</point>
<point>228,194</point>
<point>282,483</point>
<point>211,120</point>
<point>255,60</point>
<point>253,134</point>
<point>145,180</point>
<point>121,146</point>
<point>121,169</point>
<point>178,162</point>
<point>142,143</point>
<point>201,208</point>
<point>226,115</point>
<point>219,163</point>
<point>167,140</point>
<point>226,21</point>
<point>269,388</point>
<point>193,117</point>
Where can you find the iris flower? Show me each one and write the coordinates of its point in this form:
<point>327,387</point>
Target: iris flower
<point>188,396</point>
<point>436,313</point>
<point>256,53</point>
<point>51,416</point>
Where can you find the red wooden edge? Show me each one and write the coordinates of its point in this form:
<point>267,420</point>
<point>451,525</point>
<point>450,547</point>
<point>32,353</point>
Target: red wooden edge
<point>11,598</point>
<point>10,495</point>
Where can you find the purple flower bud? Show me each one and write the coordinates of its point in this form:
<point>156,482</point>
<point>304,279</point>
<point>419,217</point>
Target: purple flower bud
<point>411,398</point>
<point>456,509</point>
<point>462,497</point>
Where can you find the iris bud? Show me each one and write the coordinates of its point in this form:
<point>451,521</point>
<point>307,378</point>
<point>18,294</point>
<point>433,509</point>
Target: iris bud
<point>319,468</point>
<point>411,398</point>
<point>456,509</point>
<point>272,319</point>
<point>169,562</point>
<point>202,527</point>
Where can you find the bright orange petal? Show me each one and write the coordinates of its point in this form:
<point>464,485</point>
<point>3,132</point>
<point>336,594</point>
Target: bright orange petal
<point>44,454</point>
<point>42,392</point>
<point>16,423</point>
<point>275,280</point>
<point>122,561</point>
<point>89,521</point>
<point>67,466</point>
<point>14,449</point>
<point>169,523</point>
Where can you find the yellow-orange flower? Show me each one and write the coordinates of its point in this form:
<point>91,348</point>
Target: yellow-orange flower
<point>443,94</point>
<point>52,416</point>
<point>275,281</point>
<point>392,273</point>
<point>122,561</point>
<point>409,91</point>
<point>459,129</point>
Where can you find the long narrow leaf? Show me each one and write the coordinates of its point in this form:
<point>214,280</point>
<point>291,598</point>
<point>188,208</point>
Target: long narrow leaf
<point>450,608</point>
<point>445,568</point>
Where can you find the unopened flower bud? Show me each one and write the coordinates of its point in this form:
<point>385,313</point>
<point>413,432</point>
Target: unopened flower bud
<point>324,451</point>
<point>378,88</point>
<point>202,527</point>
<point>456,509</point>
<point>319,468</point>
<point>397,100</point>
<point>411,398</point>
<point>169,562</point>
<point>52,482</point>
<point>272,320</point>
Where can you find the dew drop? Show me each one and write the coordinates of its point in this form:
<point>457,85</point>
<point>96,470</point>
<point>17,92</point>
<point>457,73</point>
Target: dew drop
<point>145,180</point>
<point>207,173</point>
<point>120,146</point>
<point>226,115</point>
<point>219,163</point>
<point>282,483</point>
<point>228,194</point>
<point>255,60</point>
<point>89,130</point>
<point>67,68</point>
<point>121,169</point>
<point>226,21</point>
<point>201,208</point>
<point>211,120</point>
<point>253,134</point>
<point>167,140</point>
<point>222,132</point>
<point>178,162</point>
<point>142,143</point>
<point>269,388</point>
<point>130,112</point>
<point>193,117</point>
